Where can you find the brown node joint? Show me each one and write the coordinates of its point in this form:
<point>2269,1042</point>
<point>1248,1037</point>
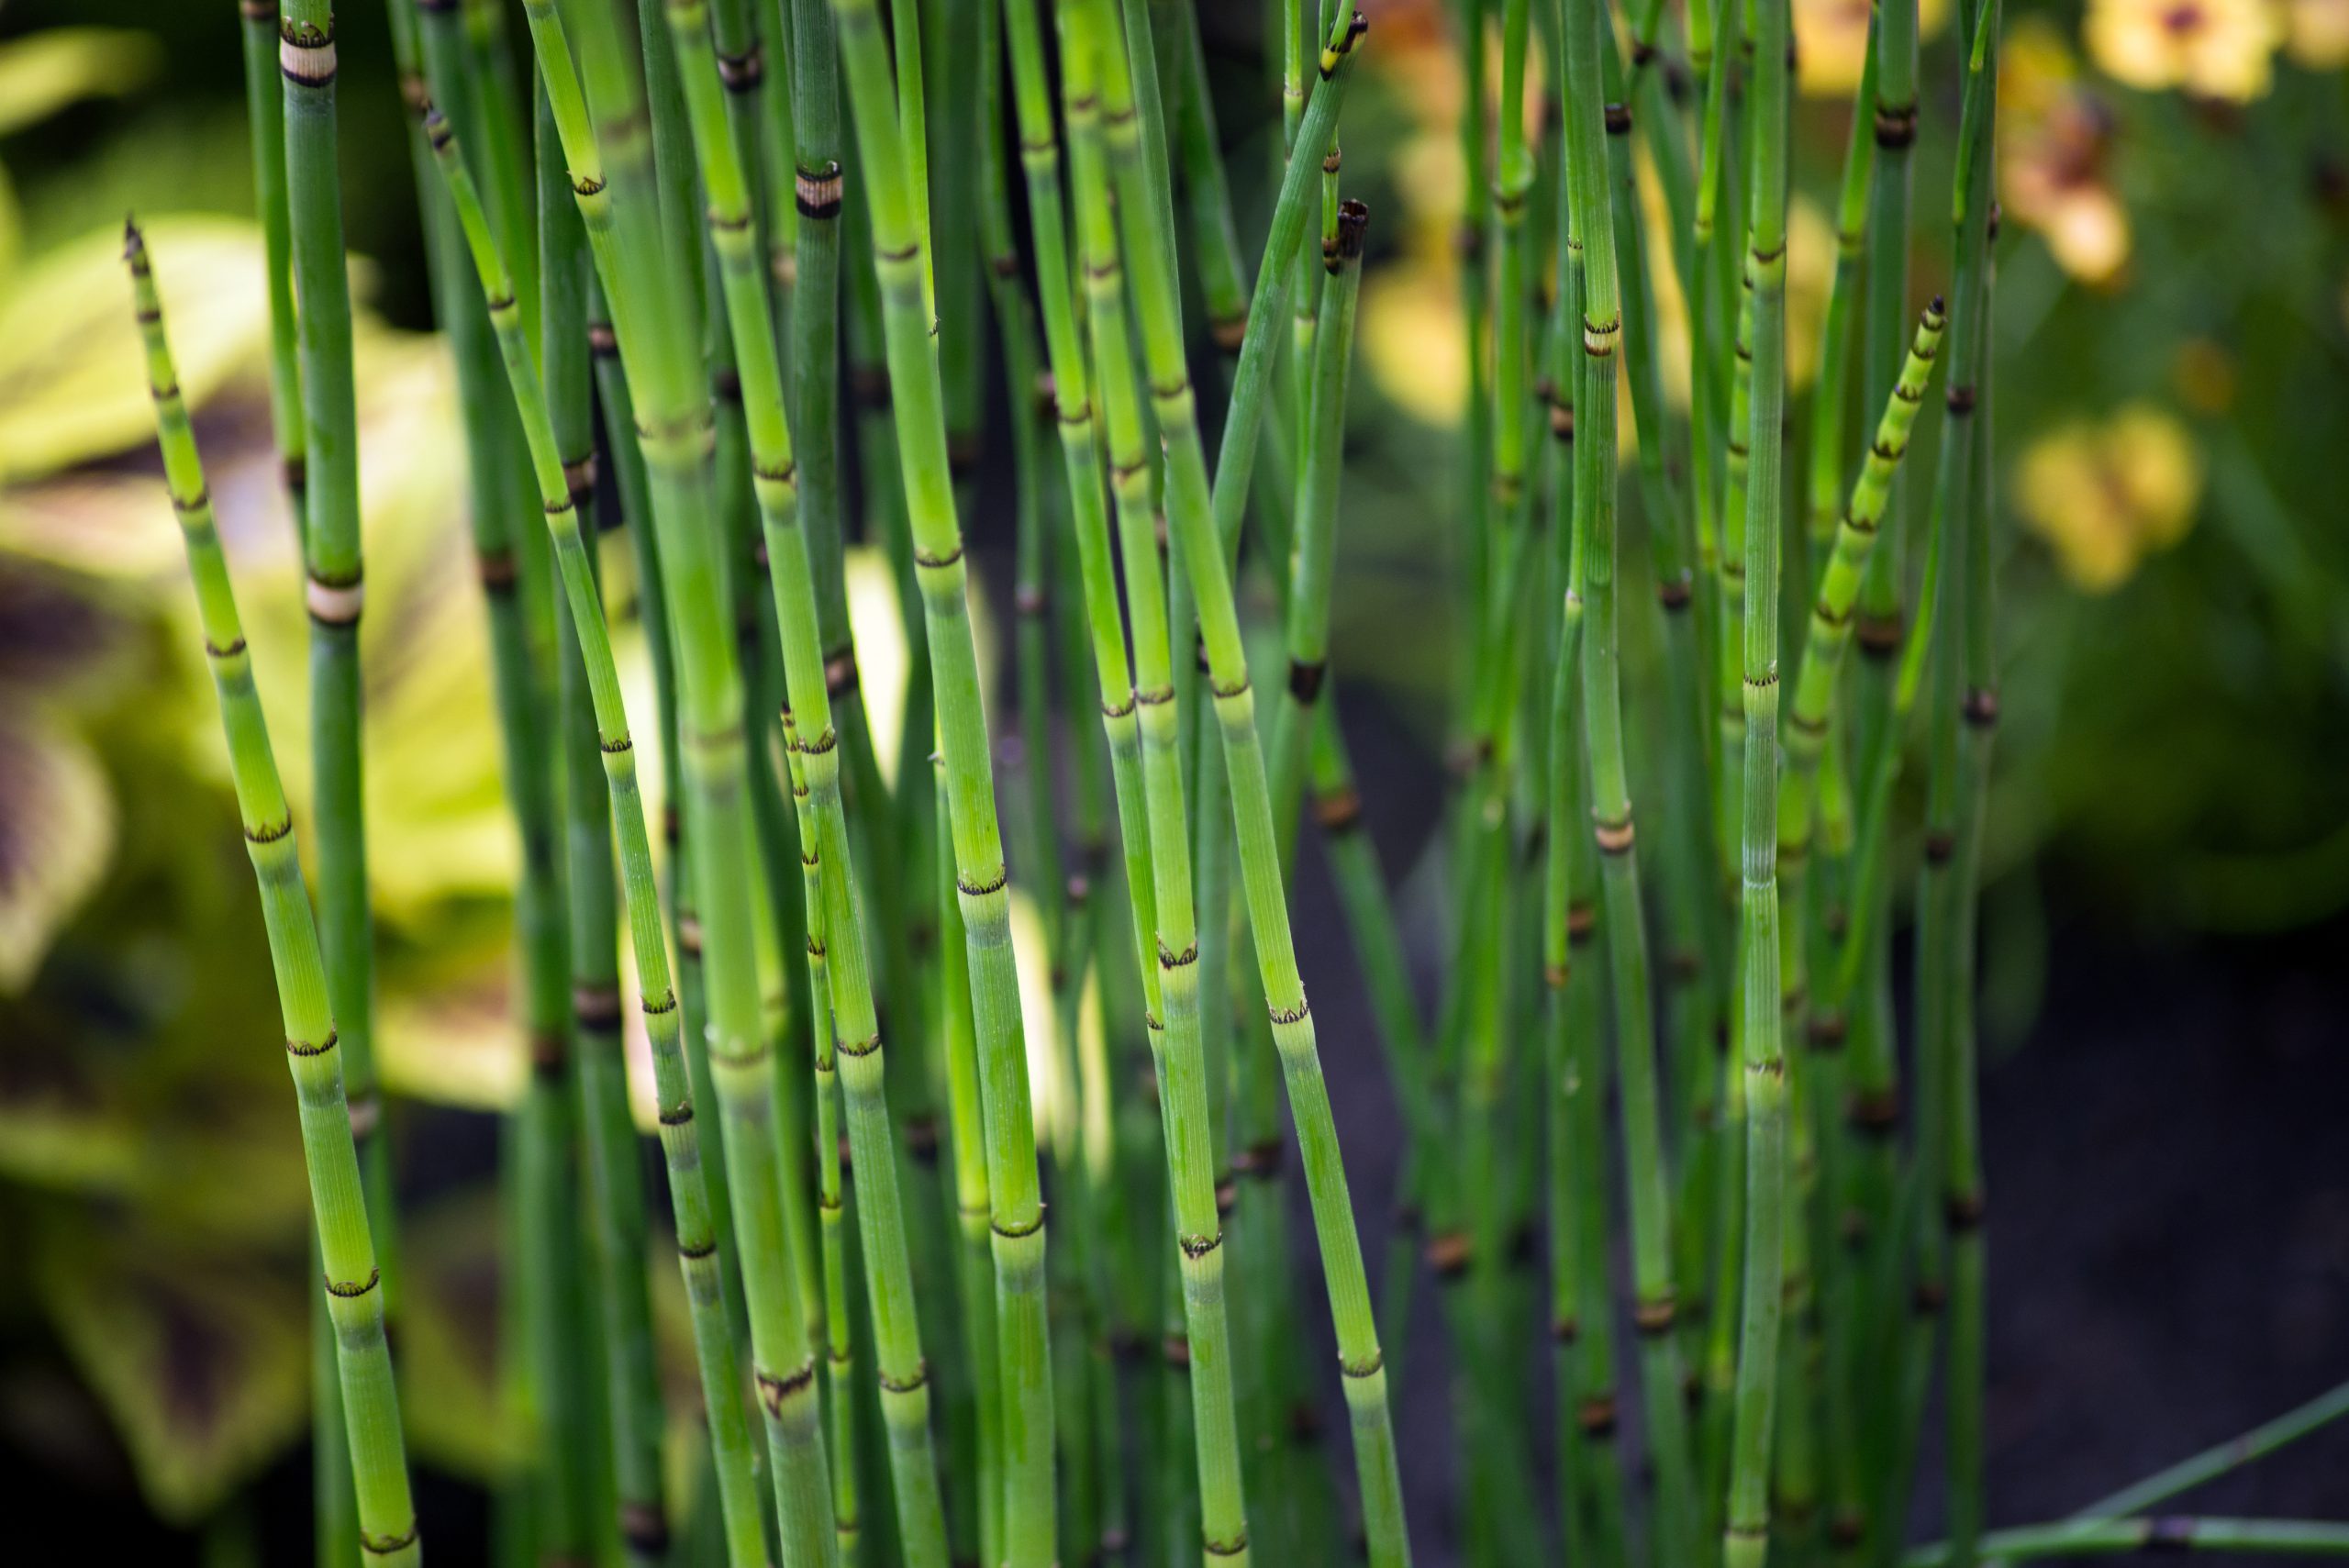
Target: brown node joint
<point>666,1004</point>
<point>1296,1015</point>
<point>896,253</point>
<point>1582,922</point>
<point>1176,1351</point>
<point>1229,333</point>
<point>939,563</point>
<point>1119,710</point>
<point>1873,1113</point>
<point>1828,1031</point>
<point>1169,958</point>
<point>677,1116</point>
<point>1981,707</point>
<point>921,1138</point>
<point>839,672</point>
<point>981,889</point>
<point>645,1527</point>
<point>1369,1366</point>
<point>904,1384</point>
<point>1237,689</point>
<point>1305,679</point>
<point>1961,399</point>
<point>1940,845</point>
<point>860,1047</point>
<point>595,1007</point>
<point>742,73</point>
<point>302,1048</point>
<point>1928,1299</point>
<point>1896,124</point>
<point>1196,1247</point>
<point>1019,1230</point>
<point>1879,635</point>
<point>387,1545</point>
<point>1614,837</point>
<point>1619,120</point>
<point>1449,1254</point>
<point>1596,1416</point>
<point>1339,811</point>
<point>1655,1317</point>
<point>697,1252</point>
<point>774,1390</point>
<point>1963,1212</point>
<point>230,651</point>
<point>347,1291</point>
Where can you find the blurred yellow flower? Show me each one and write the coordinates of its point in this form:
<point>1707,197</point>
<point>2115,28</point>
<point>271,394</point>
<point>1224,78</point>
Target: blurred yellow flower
<point>2052,139</point>
<point>1832,42</point>
<point>2316,32</point>
<point>2105,494</point>
<point>2213,49</point>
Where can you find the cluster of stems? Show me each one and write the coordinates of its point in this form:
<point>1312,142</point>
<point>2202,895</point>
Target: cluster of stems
<point>676,285</point>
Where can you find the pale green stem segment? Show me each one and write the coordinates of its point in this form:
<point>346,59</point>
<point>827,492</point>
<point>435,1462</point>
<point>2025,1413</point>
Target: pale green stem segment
<point>1813,713</point>
<point>697,1244</point>
<point>265,117</point>
<point>1746,1542</point>
<point>830,1201</point>
<point>1171,959</point>
<point>616,1187</point>
<point>782,1357</point>
<point>1591,238</point>
<point>335,593</point>
<point>900,253</point>
<point>354,1297</point>
<point>1193,522</point>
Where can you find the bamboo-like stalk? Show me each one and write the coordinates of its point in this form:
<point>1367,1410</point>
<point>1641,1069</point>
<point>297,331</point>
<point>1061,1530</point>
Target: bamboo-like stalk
<point>900,252</point>
<point>1170,972</point>
<point>1591,237</point>
<point>616,1188</point>
<point>1960,1178</point>
<point>352,1281</point>
<point>1747,1540</point>
<point>830,1200</point>
<point>335,593</point>
<point>1193,523</point>
<point>265,121</point>
<point>696,1244</point>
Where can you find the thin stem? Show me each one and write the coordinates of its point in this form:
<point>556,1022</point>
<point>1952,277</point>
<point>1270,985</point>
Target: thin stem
<point>2279,1538</point>
<point>355,1298</point>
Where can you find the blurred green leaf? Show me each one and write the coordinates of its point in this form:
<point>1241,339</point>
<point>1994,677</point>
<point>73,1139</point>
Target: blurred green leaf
<point>42,72</point>
<point>202,1359</point>
<point>57,828</point>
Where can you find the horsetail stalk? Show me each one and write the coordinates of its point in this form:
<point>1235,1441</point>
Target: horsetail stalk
<point>1747,1541</point>
<point>335,592</point>
<point>1831,397</point>
<point>353,1280</point>
<point>897,1337</point>
<point>615,1185</point>
<point>900,252</point>
<point>696,1244</point>
<point>1591,239</point>
<point>1811,714</point>
<point>265,115</point>
<point>1193,523</point>
<point>1963,1201</point>
<point>2283,1538</point>
<point>1171,974</point>
<point>830,1201</point>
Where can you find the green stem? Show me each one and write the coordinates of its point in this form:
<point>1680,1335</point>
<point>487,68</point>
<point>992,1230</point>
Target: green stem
<point>2277,1538</point>
<point>354,1297</point>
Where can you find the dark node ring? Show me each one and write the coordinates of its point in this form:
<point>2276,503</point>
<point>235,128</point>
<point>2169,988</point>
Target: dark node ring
<point>1981,707</point>
<point>269,832</point>
<point>1368,1368</point>
<point>1305,680</point>
<point>344,1290</point>
<point>617,746</point>
<point>1169,958</point>
<point>1655,1317</point>
<point>1338,812</point>
<point>907,1384</point>
<point>297,1048</point>
<point>216,651</point>
<point>1018,1232</point>
<point>677,1116</point>
<point>1198,1247</point>
<point>1963,1212</point>
<point>1296,1014</point>
<point>1237,689</point>
<point>1596,1416</point>
<point>1232,1548</point>
<point>1619,120</point>
<point>743,71</point>
<point>774,1390</point>
<point>697,1253</point>
<point>983,888</point>
<point>387,1545</point>
<point>860,1047</point>
<point>939,563</point>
